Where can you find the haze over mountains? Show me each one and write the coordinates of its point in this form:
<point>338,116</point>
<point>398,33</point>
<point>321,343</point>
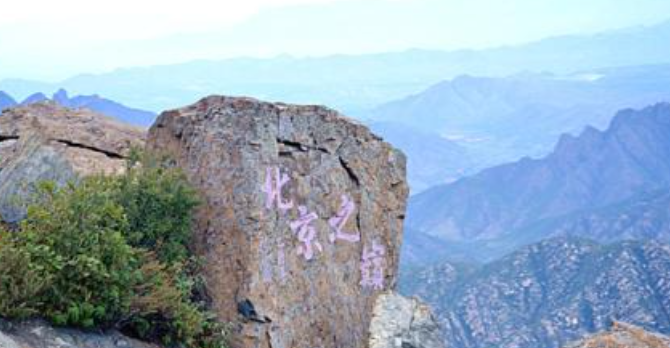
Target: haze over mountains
<point>93,102</point>
<point>512,204</point>
<point>494,119</point>
<point>6,100</point>
<point>504,119</point>
<point>355,83</point>
<point>431,158</point>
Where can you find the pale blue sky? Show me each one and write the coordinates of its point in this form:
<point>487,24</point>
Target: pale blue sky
<point>42,39</point>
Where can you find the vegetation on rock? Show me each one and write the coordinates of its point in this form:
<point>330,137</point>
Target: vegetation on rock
<point>111,252</point>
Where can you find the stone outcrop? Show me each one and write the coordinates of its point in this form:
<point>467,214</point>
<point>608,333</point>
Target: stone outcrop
<point>400,322</point>
<point>45,141</point>
<point>623,336</point>
<point>37,334</point>
<point>301,219</point>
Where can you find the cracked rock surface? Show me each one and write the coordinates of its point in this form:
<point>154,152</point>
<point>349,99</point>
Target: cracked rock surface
<point>301,221</point>
<point>401,322</point>
<point>45,141</point>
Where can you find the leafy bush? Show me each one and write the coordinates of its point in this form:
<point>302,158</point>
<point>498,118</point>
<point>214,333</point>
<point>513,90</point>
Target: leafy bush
<point>21,280</point>
<point>158,203</point>
<point>80,230</point>
<point>111,252</point>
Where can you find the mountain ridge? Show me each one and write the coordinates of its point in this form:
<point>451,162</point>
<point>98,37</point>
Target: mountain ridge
<point>356,83</point>
<point>549,293</point>
<point>503,119</point>
<point>593,170</point>
<point>94,102</point>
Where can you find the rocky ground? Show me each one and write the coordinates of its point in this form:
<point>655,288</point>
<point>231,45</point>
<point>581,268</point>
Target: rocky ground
<point>38,334</point>
<point>623,336</point>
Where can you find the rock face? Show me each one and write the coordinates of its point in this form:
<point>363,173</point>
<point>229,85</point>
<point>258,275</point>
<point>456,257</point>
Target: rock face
<point>45,141</point>
<point>36,334</point>
<point>302,217</point>
<point>400,322</point>
<point>623,336</point>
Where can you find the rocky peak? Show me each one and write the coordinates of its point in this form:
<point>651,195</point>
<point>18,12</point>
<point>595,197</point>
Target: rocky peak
<point>655,114</point>
<point>594,170</point>
<point>61,97</point>
<point>6,101</point>
<point>35,98</point>
<point>301,221</point>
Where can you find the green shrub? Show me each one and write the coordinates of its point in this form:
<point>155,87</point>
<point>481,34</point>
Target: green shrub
<point>21,280</point>
<point>159,205</point>
<point>81,230</point>
<point>111,252</point>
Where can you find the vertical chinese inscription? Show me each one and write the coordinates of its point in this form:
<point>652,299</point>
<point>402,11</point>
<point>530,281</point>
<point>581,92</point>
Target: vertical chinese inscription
<point>372,266</point>
<point>338,222</point>
<point>306,232</point>
<point>274,182</point>
<point>372,258</point>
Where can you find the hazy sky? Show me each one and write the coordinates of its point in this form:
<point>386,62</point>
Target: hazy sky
<point>52,40</point>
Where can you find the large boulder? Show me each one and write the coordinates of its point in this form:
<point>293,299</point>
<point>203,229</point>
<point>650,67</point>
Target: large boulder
<point>45,141</point>
<point>401,322</point>
<point>301,221</point>
<point>38,334</point>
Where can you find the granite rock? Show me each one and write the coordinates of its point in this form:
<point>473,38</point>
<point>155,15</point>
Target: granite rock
<point>401,322</point>
<point>301,221</point>
<point>45,141</point>
<point>623,335</point>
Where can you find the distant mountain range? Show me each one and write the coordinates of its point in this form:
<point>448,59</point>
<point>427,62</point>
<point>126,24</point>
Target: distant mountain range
<point>355,83</point>
<point>93,102</point>
<point>608,185</point>
<point>503,119</point>
<point>431,159</point>
<point>548,294</point>
<point>531,94</point>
